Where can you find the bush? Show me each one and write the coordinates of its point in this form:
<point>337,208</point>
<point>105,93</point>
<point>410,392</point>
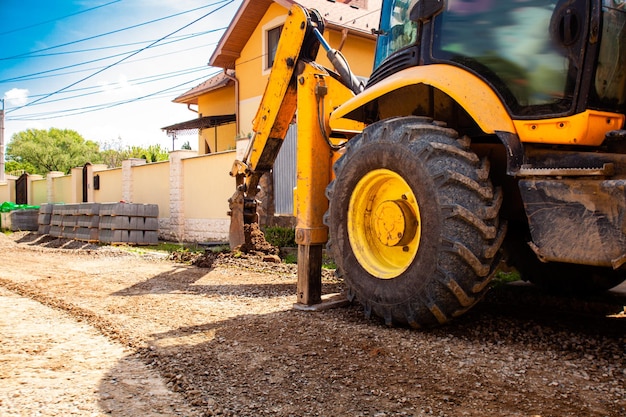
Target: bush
<point>280,236</point>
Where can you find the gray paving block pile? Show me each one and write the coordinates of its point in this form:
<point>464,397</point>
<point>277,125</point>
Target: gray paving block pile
<point>112,223</point>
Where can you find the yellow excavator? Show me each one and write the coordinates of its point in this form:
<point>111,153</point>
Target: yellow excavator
<point>486,129</point>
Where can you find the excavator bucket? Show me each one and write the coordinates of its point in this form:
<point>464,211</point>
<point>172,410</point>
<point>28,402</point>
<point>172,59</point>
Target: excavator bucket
<point>236,236</point>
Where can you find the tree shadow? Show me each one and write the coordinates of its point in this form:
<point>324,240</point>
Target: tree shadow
<point>183,279</point>
<point>47,241</point>
<point>517,352</point>
<point>336,362</point>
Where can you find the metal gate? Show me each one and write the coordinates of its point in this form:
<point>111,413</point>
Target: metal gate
<point>21,189</point>
<point>285,173</point>
<point>86,182</point>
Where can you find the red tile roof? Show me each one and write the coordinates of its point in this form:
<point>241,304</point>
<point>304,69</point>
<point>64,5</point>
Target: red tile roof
<point>358,16</point>
<point>217,81</point>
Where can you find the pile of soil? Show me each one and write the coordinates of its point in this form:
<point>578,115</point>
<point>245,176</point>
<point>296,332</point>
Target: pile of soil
<point>255,241</point>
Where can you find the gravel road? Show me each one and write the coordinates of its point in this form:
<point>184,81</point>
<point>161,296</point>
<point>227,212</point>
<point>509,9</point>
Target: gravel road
<point>89,330</point>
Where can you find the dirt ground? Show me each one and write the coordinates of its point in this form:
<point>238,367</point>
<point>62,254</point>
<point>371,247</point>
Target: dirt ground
<point>88,330</point>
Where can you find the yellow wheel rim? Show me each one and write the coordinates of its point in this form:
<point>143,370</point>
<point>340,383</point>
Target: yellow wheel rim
<point>384,224</point>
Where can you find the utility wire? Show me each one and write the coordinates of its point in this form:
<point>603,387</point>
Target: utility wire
<point>100,48</point>
<point>178,51</point>
<point>34,75</point>
<point>140,80</point>
<point>57,18</point>
<point>116,31</point>
<point>117,86</point>
<point>121,60</point>
<point>98,107</point>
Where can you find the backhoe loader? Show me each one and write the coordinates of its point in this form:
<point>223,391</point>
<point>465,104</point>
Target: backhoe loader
<point>487,129</point>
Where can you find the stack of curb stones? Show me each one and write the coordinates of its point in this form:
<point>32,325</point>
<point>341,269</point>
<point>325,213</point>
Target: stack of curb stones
<point>111,223</point>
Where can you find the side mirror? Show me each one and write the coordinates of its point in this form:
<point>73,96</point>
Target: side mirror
<point>422,10</point>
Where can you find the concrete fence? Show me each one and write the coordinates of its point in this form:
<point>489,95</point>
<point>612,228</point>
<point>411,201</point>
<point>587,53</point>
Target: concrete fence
<point>190,191</point>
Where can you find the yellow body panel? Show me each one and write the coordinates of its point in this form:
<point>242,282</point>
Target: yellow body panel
<point>486,109</point>
<point>588,128</point>
<point>473,94</point>
<point>318,94</point>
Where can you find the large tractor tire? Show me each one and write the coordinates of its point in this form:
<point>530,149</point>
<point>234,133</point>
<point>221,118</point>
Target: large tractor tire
<point>413,222</point>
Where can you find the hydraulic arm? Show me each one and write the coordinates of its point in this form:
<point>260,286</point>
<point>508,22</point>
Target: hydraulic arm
<point>296,82</point>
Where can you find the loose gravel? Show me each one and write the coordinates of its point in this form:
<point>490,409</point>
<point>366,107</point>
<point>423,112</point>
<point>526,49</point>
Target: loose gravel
<point>138,333</point>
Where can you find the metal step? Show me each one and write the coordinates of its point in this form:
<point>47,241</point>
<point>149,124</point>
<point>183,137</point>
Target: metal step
<point>530,171</point>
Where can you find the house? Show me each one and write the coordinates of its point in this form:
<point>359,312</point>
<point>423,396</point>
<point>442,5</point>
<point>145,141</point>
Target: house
<point>227,103</point>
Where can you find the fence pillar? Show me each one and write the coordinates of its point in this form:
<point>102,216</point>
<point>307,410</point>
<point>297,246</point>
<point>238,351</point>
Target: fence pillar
<point>177,193</point>
<point>50,195</point>
<point>127,177</point>
<point>77,185</point>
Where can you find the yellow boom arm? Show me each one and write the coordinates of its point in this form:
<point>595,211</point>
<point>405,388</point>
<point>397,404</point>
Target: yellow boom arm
<point>296,83</point>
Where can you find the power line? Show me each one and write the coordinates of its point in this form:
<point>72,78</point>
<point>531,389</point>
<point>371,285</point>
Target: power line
<point>33,76</point>
<point>95,68</point>
<point>135,82</point>
<point>98,107</point>
<point>57,18</point>
<point>116,31</point>
<point>100,48</point>
<point>121,60</point>
<point>140,80</point>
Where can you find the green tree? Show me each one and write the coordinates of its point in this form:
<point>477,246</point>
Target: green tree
<point>51,150</point>
<point>17,167</point>
<point>186,146</point>
<point>113,153</point>
<point>153,153</point>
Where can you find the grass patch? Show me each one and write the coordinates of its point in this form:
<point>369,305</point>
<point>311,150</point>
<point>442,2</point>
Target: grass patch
<point>291,258</point>
<point>280,237</point>
<point>327,261</point>
<point>503,277</point>
<point>220,249</point>
<point>165,247</point>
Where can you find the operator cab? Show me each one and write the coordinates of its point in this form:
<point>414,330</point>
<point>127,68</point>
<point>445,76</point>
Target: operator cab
<point>543,58</point>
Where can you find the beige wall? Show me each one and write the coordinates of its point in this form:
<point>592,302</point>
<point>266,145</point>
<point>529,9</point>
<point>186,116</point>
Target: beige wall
<point>39,191</point>
<point>359,52</point>
<point>225,134</point>
<point>217,102</point>
<point>151,185</point>
<point>63,190</point>
<point>250,67</point>
<point>110,186</point>
<point>7,191</point>
<point>208,185</point>
<point>191,191</point>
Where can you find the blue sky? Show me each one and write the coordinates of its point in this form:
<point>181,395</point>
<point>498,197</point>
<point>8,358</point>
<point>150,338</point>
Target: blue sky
<point>108,69</point>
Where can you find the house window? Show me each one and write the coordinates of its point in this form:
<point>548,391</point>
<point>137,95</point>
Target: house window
<point>272,44</point>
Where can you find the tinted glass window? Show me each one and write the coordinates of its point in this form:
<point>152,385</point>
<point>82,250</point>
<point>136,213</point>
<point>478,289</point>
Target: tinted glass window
<point>510,45</point>
<point>398,31</point>
<point>610,79</point>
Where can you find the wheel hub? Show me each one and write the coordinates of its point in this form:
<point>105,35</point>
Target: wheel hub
<point>384,223</point>
<point>394,223</point>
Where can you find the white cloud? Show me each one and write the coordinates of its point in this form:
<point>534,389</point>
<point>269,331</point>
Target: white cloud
<point>120,88</point>
<point>16,96</point>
